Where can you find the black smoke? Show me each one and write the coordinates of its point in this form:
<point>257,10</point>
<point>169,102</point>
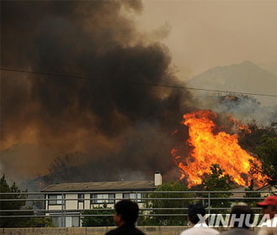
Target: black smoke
<point>107,104</point>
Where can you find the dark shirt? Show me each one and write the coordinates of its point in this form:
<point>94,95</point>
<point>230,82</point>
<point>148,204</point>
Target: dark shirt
<point>125,229</point>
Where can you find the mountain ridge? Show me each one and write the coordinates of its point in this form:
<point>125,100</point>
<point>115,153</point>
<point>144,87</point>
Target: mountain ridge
<point>242,77</point>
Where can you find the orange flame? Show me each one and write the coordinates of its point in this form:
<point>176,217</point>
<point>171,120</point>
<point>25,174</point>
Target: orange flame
<point>210,148</point>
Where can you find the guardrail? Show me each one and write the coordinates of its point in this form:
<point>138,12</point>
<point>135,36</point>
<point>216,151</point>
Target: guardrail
<point>63,207</point>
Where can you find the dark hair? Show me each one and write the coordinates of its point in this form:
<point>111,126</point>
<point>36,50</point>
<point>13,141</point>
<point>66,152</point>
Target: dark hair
<point>273,207</point>
<point>239,210</point>
<point>194,210</point>
<point>128,210</point>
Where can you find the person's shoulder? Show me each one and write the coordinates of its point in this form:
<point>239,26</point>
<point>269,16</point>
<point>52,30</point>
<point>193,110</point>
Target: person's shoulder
<point>186,232</point>
<point>139,232</point>
<point>267,231</point>
<point>199,230</point>
<point>213,231</point>
<point>121,231</point>
<point>112,232</point>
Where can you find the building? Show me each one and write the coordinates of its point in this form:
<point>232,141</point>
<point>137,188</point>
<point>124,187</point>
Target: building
<point>73,198</point>
<point>264,191</point>
<point>268,190</point>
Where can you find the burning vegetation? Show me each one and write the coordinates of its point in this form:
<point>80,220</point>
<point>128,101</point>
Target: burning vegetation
<point>209,147</point>
<point>109,115</point>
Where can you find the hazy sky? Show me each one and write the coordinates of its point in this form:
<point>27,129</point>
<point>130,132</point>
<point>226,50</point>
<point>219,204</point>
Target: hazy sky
<point>204,34</point>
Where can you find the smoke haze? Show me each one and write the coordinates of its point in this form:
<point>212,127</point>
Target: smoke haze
<point>104,110</point>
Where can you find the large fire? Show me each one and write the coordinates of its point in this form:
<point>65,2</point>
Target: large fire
<point>210,148</point>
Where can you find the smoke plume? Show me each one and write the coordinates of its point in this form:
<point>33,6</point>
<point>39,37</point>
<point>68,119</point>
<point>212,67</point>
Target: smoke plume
<point>245,108</point>
<point>97,92</point>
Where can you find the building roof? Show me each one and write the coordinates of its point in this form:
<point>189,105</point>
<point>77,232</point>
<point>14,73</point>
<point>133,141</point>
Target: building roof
<point>267,187</point>
<point>100,186</point>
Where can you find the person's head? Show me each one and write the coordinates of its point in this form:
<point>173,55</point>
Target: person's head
<point>126,212</point>
<point>194,210</point>
<point>241,216</point>
<point>269,206</point>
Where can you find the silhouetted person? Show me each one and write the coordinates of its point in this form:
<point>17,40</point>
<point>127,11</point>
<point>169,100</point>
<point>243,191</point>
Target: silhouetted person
<point>126,215</point>
<point>241,218</point>
<point>269,206</point>
<point>200,226</point>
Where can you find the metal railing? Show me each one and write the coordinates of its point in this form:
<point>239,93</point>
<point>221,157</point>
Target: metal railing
<point>163,204</point>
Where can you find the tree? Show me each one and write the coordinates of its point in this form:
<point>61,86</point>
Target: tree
<point>178,204</point>
<point>217,181</point>
<point>263,142</point>
<point>17,205</point>
<point>89,221</point>
<point>10,205</point>
<point>253,138</point>
<point>267,151</point>
<point>252,203</point>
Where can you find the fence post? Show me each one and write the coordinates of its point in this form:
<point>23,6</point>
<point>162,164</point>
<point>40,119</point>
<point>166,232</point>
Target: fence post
<point>63,215</point>
<point>209,202</point>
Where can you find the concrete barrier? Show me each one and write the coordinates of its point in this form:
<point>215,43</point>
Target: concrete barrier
<point>149,230</point>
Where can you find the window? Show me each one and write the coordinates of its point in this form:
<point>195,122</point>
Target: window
<point>102,198</point>
<point>55,199</point>
<point>58,221</point>
<point>72,221</point>
<point>111,197</point>
<point>75,221</point>
<point>80,197</point>
<point>132,196</point>
<point>66,221</point>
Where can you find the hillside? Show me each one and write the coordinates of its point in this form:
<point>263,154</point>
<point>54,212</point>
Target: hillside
<point>243,77</point>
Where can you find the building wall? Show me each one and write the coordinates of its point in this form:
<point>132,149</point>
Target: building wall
<point>55,207</point>
<point>72,203</point>
<point>264,192</point>
<point>87,201</point>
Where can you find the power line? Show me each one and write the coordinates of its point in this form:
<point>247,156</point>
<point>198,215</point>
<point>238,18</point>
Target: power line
<point>77,76</point>
<point>44,73</point>
<point>208,90</point>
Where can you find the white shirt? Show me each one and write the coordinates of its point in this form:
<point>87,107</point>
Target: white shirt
<point>271,230</point>
<point>200,228</point>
